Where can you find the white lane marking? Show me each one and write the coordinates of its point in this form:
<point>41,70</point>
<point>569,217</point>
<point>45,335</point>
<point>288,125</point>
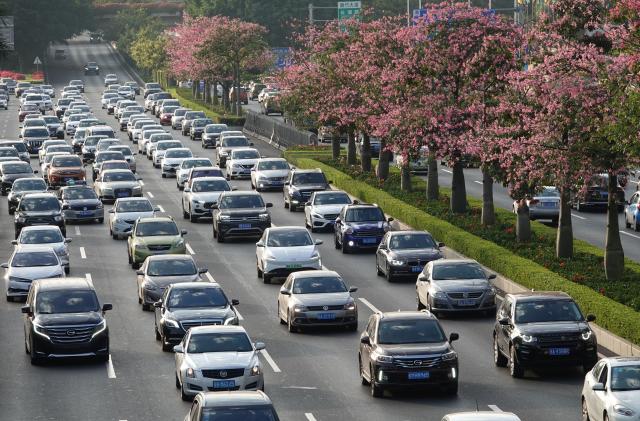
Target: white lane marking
<point>239,315</point>
<point>578,216</point>
<point>310,416</point>
<point>476,181</point>
<point>82,253</point>
<point>141,182</point>
<point>300,387</point>
<point>629,234</point>
<point>368,304</point>
<point>190,250</point>
<point>447,171</point>
<point>272,363</point>
<point>495,408</point>
<point>111,373</point>
<point>161,209</point>
<point>89,278</point>
<point>208,275</point>
<point>150,194</point>
<point>78,230</point>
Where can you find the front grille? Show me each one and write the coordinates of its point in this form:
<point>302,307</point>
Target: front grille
<point>241,219</point>
<point>83,207</point>
<point>187,324</point>
<point>306,194</point>
<point>159,247</point>
<point>35,143</point>
<point>209,205</point>
<point>122,192</point>
<point>461,295</point>
<point>247,166</point>
<point>321,308</point>
<point>277,178</point>
<point>71,334</point>
<point>367,233</point>
<point>417,262</point>
<point>417,362</point>
<point>330,216</point>
<point>39,220</point>
<point>228,374</point>
<point>558,338</point>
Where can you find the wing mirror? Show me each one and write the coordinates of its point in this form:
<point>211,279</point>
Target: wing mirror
<point>440,244</point>
<point>269,205</point>
<point>353,289</point>
<point>112,211</point>
<point>156,209</point>
<point>157,304</point>
<point>178,349</point>
<point>68,240</point>
<point>234,188</point>
<point>308,204</point>
<point>318,241</point>
<point>598,387</point>
<point>65,206</point>
<point>390,220</point>
<point>260,346</point>
<point>4,265</point>
<point>591,317</point>
<point>260,244</point>
<point>504,321</point>
<point>14,242</point>
<point>235,302</point>
<point>203,270</point>
<point>107,307</point>
<point>492,276</point>
<point>139,272</point>
<point>284,291</point>
<point>26,310</point>
<point>187,190</point>
<point>183,232</point>
<point>454,337</point>
<point>364,339</point>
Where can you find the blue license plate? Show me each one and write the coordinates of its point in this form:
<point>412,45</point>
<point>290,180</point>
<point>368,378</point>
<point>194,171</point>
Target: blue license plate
<point>559,351</point>
<point>369,240</point>
<point>122,194</point>
<point>326,316</point>
<point>549,204</point>
<point>416,269</point>
<point>224,384</point>
<point>85,213</point>
<point>418,375</point>
<point>244,226</point>
<point>294,266</point>
<point>466,302</point>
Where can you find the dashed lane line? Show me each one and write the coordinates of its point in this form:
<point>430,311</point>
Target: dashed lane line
<point>368,304</point>
<point>272,363</point>
<point>477,182</point>
<point>77,230</point>
<point>161,209</point>
<point>578,216</point>
<point>495,408</point>
<point>447,171</point>
<point>89,278</point>
<point>190,250</point>
<point>111,372</point>
<point>83,254</point>
<point>150,194</point>
<point>310,416</point>
<point>209,277</point>
<point>629,234</point>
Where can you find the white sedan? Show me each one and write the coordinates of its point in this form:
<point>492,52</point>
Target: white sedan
<point>217,358</point>
<point>241,161</point>
<point>199,199</point>
<point>284,250</point>
<point>611,390</point>
<point>323,208</point>
<point>172,160</point>
<point>183,170</point>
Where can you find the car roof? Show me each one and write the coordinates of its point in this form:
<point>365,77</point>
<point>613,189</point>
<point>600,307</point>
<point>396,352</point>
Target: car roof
<point>540,295</point>
<point>287,228</point>
<point>156,219</point>
<point>190,285</point>
<point>235,398</point>
<point>132,199</point>
<point>217,329</point>
<point>170,256</point>
<point>63,283</point>
<point>116,170</point>
<point>362,205</point>
<point>452,261</point>
<point>482,416</point>
<point>244,149</point>
<point>201,179</point>
<point>402,315</point>
<point>405,232</point>
<point>314,274</point>
<point>621,361</point>
<point>39,195</point>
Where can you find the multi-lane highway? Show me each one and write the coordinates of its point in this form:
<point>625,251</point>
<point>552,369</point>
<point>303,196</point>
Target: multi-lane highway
<point>309,376</point>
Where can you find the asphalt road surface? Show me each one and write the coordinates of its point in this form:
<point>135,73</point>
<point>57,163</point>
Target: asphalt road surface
<point>309,376</point>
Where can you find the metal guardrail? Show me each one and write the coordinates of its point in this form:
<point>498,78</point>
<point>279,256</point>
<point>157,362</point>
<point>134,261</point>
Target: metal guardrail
<point>277,133</point>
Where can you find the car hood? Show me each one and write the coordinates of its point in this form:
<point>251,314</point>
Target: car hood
<point>405,350</point>
<point>200,313</point>
<point>272,173</point>
<point>64,319</point>
<point>420,254</point>
<point>158,239</point>
<point>291,253</point>
<point>333,298</point>
<point>243,211</point>
<point>221,359</point>
<point>163,281</point>
<point>310,187</point>
<point>629,398</point>
<point>206,196</point>
<point>173,161</point>
<point>323,209</point>
<point>129,216</point>
<point>466,285</point>
<point>120,184</point>
<point>552,327</point>
<point>35,213</point>
<point>82,202</point>
<point>37,272</point>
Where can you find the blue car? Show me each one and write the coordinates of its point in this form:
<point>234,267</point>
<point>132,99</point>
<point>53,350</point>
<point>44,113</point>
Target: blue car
<point>632,212</point>
<point>360,227</point>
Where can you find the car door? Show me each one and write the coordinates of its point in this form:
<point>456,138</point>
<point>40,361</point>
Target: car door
<point>600,396</point>
<point>261,250</point>
<point>159,311</point>
<point>504,331</point>
<point>381,253</point>
<point>423,283</point>
<point>588,392</point>
<point>28,318</point>
<point>365,349</point>
<point>283,300</point>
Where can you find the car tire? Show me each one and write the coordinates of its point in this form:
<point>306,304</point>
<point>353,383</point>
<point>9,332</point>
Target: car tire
<point>290,327</point>
<point>379,271</point>
<point>260,273</point>
<point>33,358</point>
<point>67,270</point>
<point>145,306</point>
<point>363,380</point>
<point>420,305</point>
<point>130,259</point>
<point>353,327</point>
<point>164,175</point>
<point>158,336</point>
<point>336,243</point>
<point>585,411</point>
<point>166,346</point>
<point>292,207</point>
<point>185,214</point>
<point>183,395</point>
<point>11,211</point>
<point>100,220</point>
<point>220,238</point>
<point>389,276</point>
<point>515,369</point>
<point>376,390</point>
<point>192,217</point>
<point>636,226</point>
<point>498,358</point>
<point>177,382</point>
<point>135,265</point>
<point>286,205</point>
<point>266,278</point>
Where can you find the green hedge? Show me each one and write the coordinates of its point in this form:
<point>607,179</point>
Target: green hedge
<point>189,102</point>
<point>617,318</point>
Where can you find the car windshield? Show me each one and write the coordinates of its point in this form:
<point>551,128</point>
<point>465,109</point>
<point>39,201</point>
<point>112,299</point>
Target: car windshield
<point>34,258</point>
<point>170,108</point>
<point>35,122</point>
<point>411,241</point>
<point>124,150</point>
<point>179,154</point>
<point>39,204</point>
<point>237,413</point>
<point>368,214</point>
<point>171,267</point>
<point>541,311</point>
<point>201,123</point>
<point>41,236</point>
<point>309,178</point>
<point>245,155</point>
<point>219,342</point>
<point>32,184</point>
<point>412,331</point>
<point>156,228</point>
<point>165,146</point>
<point>235,141</point>
<point>17,168</point>
<point>66,161</point>
<point>109,156</point>
<point>78,194</point>
<point>273,165</point>
<point>195,163</point>
<point>134,206</point>
<point>70,301</point>
<point>318,285</point>
<point>332,199</point>
<point>457,271</point>
<point>197,298</point>
<point>106,144</point>
<point>20,147</point>
<point>215,129</point>
<point>36,132</point>
<point>625,378</point>
<point>549,192</point>
<point>210,185</point>
<point>118,176</point>
<point>241,201</point>
<point>289,238</point>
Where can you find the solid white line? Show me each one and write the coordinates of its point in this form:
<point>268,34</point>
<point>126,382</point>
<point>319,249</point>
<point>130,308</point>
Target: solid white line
<point>239,315</point>
<point>300,387</point>
<point>310,416</point>
<point>141,182</point>
<point>190,250</point>
<point>111,373</point>
<point>78,230</point>
<point>578,216</point>
<point>272,363</point>
<point>629,234</point>
<point>89,278</point>
<point>476,181</point>
<point>495,408</point>
<point>150,194</point>
<point>368,304</point>
<point>447,171</point>
<point>208,275</point>
<point>161,208</point>
<point>82,253</point>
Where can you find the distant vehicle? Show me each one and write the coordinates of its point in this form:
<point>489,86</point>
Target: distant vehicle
<point>244,98</point>
<point>360,226</point>
<point>596,194</point>
<point>91,68</point>
<point>95,37</point>
<point>299,186</point>
<point>125,212</point>
<point>543,205</point>
<point>269,174</point>
<point>406,253</point>
<point>59,54</point>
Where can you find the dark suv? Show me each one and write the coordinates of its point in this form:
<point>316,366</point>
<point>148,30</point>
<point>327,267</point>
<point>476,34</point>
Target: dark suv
<point>39,209</point>
<point>63,318</point>
<point>360,226</point>
<point>407,349</point>
<point>240,214</point>
<point>299,186</point>
<point>535,329</point>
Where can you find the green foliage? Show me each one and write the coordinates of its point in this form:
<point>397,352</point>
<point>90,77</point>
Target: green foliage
<point>216,114</point>
<point>148,50</point>
<point>533,266</point>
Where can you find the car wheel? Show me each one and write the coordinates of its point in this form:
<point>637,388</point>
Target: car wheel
<point>282,321</point>
<point>286,205</point>
<point>220,238</point>
<point>158,336</point>
<point>554,221</point>
<point>515,369</point>
<point>498,358</point>
<point>258,270</point>
<point>363,380</point>
<point>292,207</point>
<point>183,395</point>
<point>177,382</point>
<point>353,327</point>
<point>192,217</point>
<point>585,412</point>
<point>420,305</point>
<point>135,265</point>
<point>66,270</point>
<point>636,227</point>
<point>266,278</point>
<point>290,325</point>
<point>130,259</point>
<point>33,358</point>
<point>345,248</point>
<point>379,271</point>
<point>376,390</point>
<point>164,175</point>
<point>11,211</point>
<point>389,275</point>
<point>336,243</point>
<point>166,346</point>
<point>100,220</point>
<point>185,214</point>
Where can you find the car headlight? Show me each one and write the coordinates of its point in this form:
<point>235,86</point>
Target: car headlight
<point>623,410</point>
<point>264,216</point>
<point>170,322</point>
<point>396,262</point>
<point>528,338</point>
<point>190,373</point>
<point>350,305</point>
<point>587,334</point>
<point>315,255</point>
<point>233,320</point>
<point>299,308</point>
<point>101,327</point>
<point>180,243</point>
<point>440,295</point>
<point>490,292</point>
<point>224,217</point>
<point>58,218</point>
<point>451,355</point>
<point>382,358</point>
<point>255,370</point>
<point>99,205</point>
<point>317,215</point>
<point>40,330</point>
<point>348,230</point>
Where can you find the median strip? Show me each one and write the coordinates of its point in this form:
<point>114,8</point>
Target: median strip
<point>189,249</point>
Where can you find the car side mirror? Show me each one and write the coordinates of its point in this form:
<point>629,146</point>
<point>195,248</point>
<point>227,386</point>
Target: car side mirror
<point>598,387</point>
<point>139,272</point>
<point>251,144</point>
<point>187,190</point>
<point>504,321</point>
<point>20,136</point>
<point>284,291</point>
<point>308,204</point>
<point>492,276</point>
<point>382,247</point>
<point>235,302</point>
<point>390,220</point>
<point>65,207</point>
<point>35,171</point>
<point>68,240</point>
<point>353,289</point>
<point>338,220</point>
<point>260,243</point>
<point>591,317</point>
<point>318,241</point>
<point>440,244</point>
<point>453,337</point>
<point>4,265</point>
<point>178,349</point>
<point>269,205</point>
<point>14,242</point>
<point>260,346</point>
<point>203,270</point>
<point>26,310</point>
<point>112,211</point>
<point>329,182</point>
<point>365,340</point>
<point>107,307</point>
<point>183,232</point>
<point>156,209</point>
<point>157,304</point>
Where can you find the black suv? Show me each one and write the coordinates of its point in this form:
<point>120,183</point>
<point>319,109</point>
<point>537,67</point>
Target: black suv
<point>407,349</point>
<point>240,214</point>
<point>536,329</point>
<point>360,226</point>
<point>91,68</point>
<point>299,186</point>
<point>189,304</point>
<point>38,209</point>
<point>63,318</point>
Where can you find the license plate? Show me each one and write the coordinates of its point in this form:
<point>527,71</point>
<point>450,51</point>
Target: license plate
<point>418,375</point>
<point>294,266</point>
<point>549,204</point>
<point>326,316</point>
<point>244,226</point>
<point>559,351</point>
<point>416,269</point>
<point>85,213</point>
<point>466,302</point>
<point>122,194</point>
<point>224,384</point>
<point>369,240</point>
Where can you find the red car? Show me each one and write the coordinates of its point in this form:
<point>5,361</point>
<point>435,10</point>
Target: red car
<point>27,109</point>
<point>65,168</point>
<point>165,119</point>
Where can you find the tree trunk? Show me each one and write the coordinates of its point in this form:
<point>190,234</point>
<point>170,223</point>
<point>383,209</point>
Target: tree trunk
<point>433,189</point>
<point>405,178</point>
<point>225,96</point>
<point>523,222</point>
<point>382,170</point>
<point>458,189</point>
<point>351,147</point>
<point>207,92</point>
<point>335,148</point>
<point>613,252</point>
<point>365,153</point>
<point>215,93</point>
<point>488,216</point>
<point>194,89</point>
<point>564,238</point>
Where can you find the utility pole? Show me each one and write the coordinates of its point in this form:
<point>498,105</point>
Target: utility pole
<point>311,14</point>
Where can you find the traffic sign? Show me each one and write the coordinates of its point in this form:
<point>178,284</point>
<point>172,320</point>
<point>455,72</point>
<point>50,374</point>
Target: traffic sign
<point>37,61</point>
<point>418,14</point>
<point>349,9</point>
